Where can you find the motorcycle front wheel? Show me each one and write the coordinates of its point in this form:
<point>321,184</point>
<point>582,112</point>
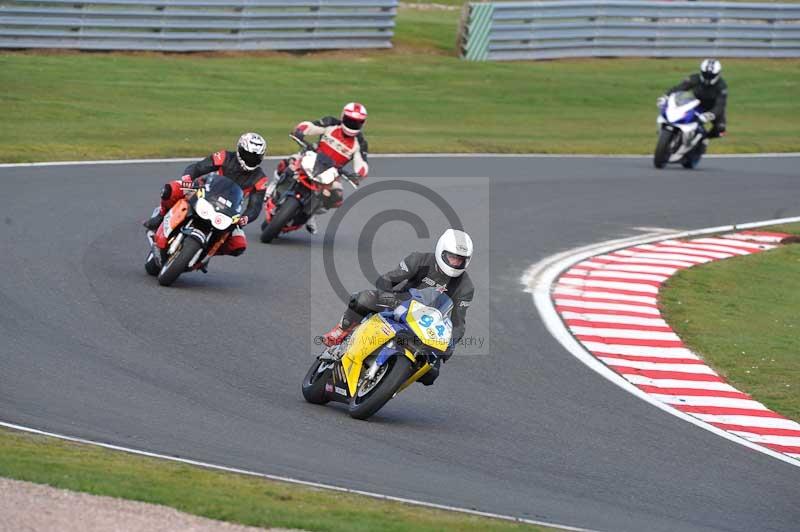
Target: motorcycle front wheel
<point>150,265</point>
<point>285,213</point>
<point>370,399</point>
<point>663,148</point>
<point>178,262</point>
<point>314,384</point>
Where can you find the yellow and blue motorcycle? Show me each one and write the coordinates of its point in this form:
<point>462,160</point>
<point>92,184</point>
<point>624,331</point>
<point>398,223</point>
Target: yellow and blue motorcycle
<point>385,354</point>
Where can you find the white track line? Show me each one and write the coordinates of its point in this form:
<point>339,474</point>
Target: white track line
<point>419,156</point>
<point>296,481</point>
<point>540,278</point>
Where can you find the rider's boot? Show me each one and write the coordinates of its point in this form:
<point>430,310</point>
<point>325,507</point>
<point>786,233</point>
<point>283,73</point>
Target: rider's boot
<point>337,335</point>
<point>154,221</point>
<point>311,224</point>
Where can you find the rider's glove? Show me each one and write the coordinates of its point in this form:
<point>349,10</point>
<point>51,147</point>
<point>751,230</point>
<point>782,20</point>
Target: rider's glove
<point>299,134</point>
<point>447,354</point>
<point>387,299</point>
<point>661,101</point>
<point>243,221</point>
<point>186,181</point>
<point>708,116</point>
<point>353,177</point>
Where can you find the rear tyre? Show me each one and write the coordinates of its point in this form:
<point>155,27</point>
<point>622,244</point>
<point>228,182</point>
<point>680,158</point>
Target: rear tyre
<point>285,213</point>
<point>663,151</point>
<point>314,384</point>
<point>150,265</point>
<point>178,262</point>
<point>366,405</point>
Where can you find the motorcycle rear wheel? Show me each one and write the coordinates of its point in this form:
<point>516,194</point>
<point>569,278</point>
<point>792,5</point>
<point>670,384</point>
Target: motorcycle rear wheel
<point>314,384</point>
<point>285,213</point>
<point>178,262</point>
<point>662,153</point>
<point>692,159</point>
<point>365,406</point>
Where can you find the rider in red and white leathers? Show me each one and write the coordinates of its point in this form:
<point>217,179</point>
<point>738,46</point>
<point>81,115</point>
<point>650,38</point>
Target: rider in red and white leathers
<point>343,141</point>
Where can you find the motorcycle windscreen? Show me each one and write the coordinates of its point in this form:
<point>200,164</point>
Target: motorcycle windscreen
<point>431,297</point>
<point>684,97</point>
<point>224,194</point>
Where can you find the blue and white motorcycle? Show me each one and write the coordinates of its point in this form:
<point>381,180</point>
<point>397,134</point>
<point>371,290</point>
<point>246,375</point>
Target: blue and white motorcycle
<point>681,137</point>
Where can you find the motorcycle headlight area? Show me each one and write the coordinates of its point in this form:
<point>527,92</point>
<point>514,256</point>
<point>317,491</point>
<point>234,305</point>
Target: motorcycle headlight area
<point>206,211</point>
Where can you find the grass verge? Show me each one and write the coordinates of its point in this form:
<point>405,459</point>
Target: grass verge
<point>422,98</point>
<point>740,315</point>
<point>218,495</point>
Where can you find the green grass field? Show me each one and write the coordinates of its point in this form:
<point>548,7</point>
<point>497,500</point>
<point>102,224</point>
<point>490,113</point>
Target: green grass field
<point>216,495</point>
<point>421,98</point>
<point>741,316</point>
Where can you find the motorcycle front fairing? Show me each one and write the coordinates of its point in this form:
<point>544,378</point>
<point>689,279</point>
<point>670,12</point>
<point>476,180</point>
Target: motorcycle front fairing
<point>419,327</point>
<point>680,113</point>
<point>217,206</point>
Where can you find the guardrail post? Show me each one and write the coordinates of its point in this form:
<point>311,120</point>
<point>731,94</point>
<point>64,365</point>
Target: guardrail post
<point>478,28</point>
<point>550,29</point>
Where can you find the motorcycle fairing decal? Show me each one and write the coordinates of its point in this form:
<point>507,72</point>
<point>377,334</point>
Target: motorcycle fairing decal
<point>172,220</point>
<point>429,325</point>
<point>370,335</point>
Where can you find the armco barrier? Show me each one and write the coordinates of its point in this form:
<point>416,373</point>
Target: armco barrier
<point>197,25</point>
<point>578,28</point>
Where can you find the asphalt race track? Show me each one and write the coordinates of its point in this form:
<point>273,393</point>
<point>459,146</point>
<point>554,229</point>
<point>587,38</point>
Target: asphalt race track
<point>210,368</point>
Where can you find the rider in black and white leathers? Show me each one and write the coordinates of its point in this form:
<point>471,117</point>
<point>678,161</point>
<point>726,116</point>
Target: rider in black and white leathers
<point>443,270</point>
<point>712,91</point>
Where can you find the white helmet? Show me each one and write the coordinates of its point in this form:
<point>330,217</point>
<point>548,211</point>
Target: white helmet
<point>709,71</point>
<point>250,150</point>
<point>453,252</point>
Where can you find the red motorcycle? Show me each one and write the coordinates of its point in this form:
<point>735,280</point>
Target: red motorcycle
<point>297,194</point>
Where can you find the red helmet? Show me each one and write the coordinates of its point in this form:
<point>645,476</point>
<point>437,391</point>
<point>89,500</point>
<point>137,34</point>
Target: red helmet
<point>353,117</point>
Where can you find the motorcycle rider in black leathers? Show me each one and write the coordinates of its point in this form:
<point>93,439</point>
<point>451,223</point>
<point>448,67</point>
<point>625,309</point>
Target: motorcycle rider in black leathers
<point>242,167</point>
<point>443,270</point>
<point>712,91</point>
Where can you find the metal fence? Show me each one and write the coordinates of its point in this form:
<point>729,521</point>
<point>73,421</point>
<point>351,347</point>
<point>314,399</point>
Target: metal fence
<point>197,25</point>
<point>577,28</point>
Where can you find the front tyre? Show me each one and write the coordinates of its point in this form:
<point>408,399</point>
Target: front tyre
<point>178,262</point>
<point>663,148</point>
<point>283,215</point>
<point>314,384</point>
<point>150,265</point>
<point>363,406</point>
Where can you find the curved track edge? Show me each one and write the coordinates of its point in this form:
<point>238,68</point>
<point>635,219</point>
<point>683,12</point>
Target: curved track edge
<point>295,481</point>
<point>540,278</point>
